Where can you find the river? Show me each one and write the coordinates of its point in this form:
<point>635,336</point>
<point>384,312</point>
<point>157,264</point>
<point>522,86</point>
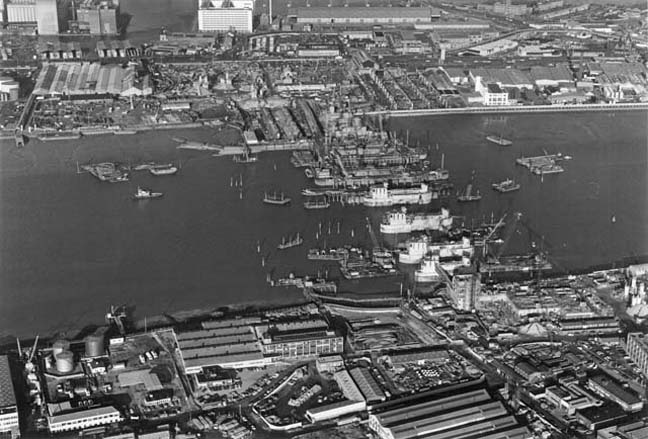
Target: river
<point>70,246</point>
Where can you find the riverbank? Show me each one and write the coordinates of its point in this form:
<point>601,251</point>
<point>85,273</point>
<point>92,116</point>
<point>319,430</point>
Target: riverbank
<point>509,109</point>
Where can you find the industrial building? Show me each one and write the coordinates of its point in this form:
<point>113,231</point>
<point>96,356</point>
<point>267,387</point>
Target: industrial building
<point>21,11</point>
<point>86,80</point>
<point>8,89</point>
<point>610,389</point>
<point>463,415</point>
<point>365,16</point>
<point>223,16</point>
<point>97,17</point>
<point>233,347</point>
<point>637,349</point>
<point>47,17</point>
<point>9,425</point>
<point>367,384</point>
<point>492,48</point>
<point>81,419</point>
<point>297,340</point>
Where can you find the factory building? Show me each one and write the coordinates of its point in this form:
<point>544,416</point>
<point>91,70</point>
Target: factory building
<point>47,17</point>
<point>365,16</point>
<point>81,419</point>
<point>21,11</point>
<point>468,414</point>
<point>234,347</point>
<point>492,48</point>
<point>223,16</point>
<point>8,89</point>
<point>97,17</point>
<point>367,384</point>
<point>297,340</point>
<point>637,349</point>
<point>606,386</point>
<point>9,425</point>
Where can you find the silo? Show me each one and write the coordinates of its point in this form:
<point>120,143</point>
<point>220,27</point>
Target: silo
<point>60,346</point>
<point>65,362</point>
<point>94,346</point>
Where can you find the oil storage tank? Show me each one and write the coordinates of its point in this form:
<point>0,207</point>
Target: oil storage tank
<point>94,346</point>
<point>65,362</point>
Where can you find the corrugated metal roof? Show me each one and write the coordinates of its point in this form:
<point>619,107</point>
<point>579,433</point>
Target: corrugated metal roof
<point>7,396</point>
<point>83,414</point>
<point>360,12</point>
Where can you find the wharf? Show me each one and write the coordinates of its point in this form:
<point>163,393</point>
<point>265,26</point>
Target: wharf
<point>511,109</point>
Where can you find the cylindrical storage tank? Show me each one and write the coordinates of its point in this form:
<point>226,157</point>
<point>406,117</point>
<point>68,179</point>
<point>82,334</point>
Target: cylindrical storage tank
<point>94,346</point>
<point>65,362</point>
<point>60,346</point>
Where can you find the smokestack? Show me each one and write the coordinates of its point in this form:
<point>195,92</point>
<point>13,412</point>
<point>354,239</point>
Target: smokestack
<point>270,11</point>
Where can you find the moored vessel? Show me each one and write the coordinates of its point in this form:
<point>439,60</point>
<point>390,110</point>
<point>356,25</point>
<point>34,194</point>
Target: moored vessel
<point>381,196</point>
<point>317,204</point>
<point>276,199</point>
<point>507,185</point>
<point>499,140</point>
<point>167,169</point>
<point>291,242</point>
<point>399,221</point>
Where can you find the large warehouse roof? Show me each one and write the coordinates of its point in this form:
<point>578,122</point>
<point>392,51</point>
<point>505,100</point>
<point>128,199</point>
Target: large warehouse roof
<point>7,396</point>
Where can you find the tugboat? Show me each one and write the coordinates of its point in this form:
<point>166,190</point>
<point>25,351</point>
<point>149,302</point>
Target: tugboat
<point>294,242</point>
<point>317,204</point>
<point>279,200</point>
<point>167,169</point>
<point>507,185</point>
<point>145,194</point>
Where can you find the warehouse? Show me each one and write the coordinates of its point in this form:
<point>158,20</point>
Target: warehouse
<point>81,419</point>
<point>8,408</point>
<point>464,415</point>
<point>225,346</point>
<point>367,384</point>
<point>366,15</point>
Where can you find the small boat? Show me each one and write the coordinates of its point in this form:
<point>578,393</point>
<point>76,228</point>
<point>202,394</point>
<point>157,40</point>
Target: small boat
<point>143,166</point>
<point>499,140</point>
<point>145,194</point>
<point>294,242</point>
<point>312,193</point>
<point>507,185</point>
<point>119,178</point>
<point>276,199</point>
<point>167,169</point>
<point>317,204</point>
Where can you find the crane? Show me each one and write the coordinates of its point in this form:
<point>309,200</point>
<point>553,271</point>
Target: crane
<point>490,235</point>
<point>33,350</point>
<point>372,235</point>
<point>507,239</point>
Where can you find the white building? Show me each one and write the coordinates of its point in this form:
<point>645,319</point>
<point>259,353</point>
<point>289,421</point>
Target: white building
<point>493,94</point>
<point>225,15</point>
<point>47,17</point>
<point>492,48</point>
<point>82,419</point>
<point>21,11</point>
<point>8,408</point>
